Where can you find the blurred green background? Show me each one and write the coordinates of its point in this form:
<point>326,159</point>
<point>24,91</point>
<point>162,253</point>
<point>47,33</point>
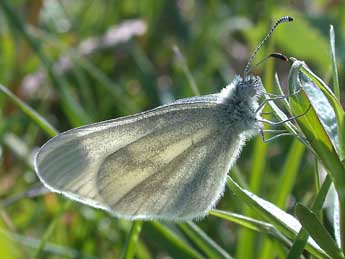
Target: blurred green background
<point>82,61</point>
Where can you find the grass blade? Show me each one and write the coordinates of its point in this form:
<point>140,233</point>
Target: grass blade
<point>314,227</point>
<point>284,222</point>
<point>71,107</point>
<point>205,243</point>
<point>318,133</point>
<point>31,113</point>
<point>252,224</point>
<point>309,77</point>
<point>334,63</point>
<point>128,251</point>
<point>173,243</point>
<point>284,186</point>
<point>186,70</point>
<point>47,234</point>
<point>302,237</point>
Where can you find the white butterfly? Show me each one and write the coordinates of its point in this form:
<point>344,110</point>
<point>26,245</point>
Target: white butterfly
<point>168,163</point>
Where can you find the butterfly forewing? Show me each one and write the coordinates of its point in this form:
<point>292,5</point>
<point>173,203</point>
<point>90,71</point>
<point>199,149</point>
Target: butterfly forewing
<point>168,163</point>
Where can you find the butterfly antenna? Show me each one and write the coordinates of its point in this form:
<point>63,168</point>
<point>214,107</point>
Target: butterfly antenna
<point>274,26</point>
<point>273,55</point>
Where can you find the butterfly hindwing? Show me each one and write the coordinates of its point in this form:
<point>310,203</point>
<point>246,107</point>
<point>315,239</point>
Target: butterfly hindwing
<point>168,163</point>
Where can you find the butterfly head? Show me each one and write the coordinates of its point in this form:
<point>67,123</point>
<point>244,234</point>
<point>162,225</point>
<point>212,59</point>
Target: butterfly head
<point>242,91</point>
<point>249,87</point>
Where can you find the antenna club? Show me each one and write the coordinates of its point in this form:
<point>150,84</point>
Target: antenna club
<point>285,19</point>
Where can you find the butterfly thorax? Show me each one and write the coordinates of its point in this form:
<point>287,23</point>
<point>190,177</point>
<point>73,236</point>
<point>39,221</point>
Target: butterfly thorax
<point>240,100</point>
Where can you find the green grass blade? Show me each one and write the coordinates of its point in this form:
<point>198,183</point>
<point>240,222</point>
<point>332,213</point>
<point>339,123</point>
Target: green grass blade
<point>284,222</point>
<point>336,220</point>
<point>280,90</point>
<point>32,114</point>
<point>298,245</point>
<point>237,175</point>
<point>50,229</point>
<point>302,237</point>
<point>252,224</point>
<point>72,108</point>
<point>124,102</point>
<point>284,186</point>
<point>142,251</point>
<point>288,174</point>
<point>247,237</point>
<point>186,70</point>
<point>335,78</point>
<point>18,147</point>
<point>172,242</point>
<point>43,124</point>
<point>50,248</point>
<point>202,241</point>
<point>247,222</point>
<point>318,126</point>
<point>313,128</point>
<point>311,80</point>
<point>317,231</point>
<point>128,251</point>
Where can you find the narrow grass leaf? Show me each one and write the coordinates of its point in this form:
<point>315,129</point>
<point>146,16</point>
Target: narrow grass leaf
<point>72,108</point>
<point>51,248</point>
<point>284,186</point>
<point>331,115</point>
<point>125,104</point>
<point>18,147</point>
<point>31,113</point>
<point>50,229</point>
<point>142,251</point>
<point>335,78</point>
<point>312,83</point>
<point>202,241</point>
<point>252,224</point>
<point>51,131</point>
<point>302,237</point>
<point>288,174</point>
<point>308,103</point>
<point>336,220</point>
<point>172,243</point>
<point>317,231</point>
<point>323,126</point>
<point>128,251</point>
<point>186,70</point>
<point>284,222</point>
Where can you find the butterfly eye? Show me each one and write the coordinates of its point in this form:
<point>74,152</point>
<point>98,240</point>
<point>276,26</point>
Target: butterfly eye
<point>246,89</point>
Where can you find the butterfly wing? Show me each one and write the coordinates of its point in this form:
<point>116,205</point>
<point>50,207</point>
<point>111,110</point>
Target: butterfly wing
<point>167,163</point>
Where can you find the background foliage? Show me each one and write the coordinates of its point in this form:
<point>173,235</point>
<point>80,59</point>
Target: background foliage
<point>83,61</point>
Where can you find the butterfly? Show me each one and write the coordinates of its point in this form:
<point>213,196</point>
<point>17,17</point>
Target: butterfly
<point>169,163</point>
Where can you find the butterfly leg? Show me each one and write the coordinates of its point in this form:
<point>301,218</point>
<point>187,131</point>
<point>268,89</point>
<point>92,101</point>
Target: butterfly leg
<point>275,97</point>
<point>284,121</point>
<point>283,133</point>
<point>284,95</point>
